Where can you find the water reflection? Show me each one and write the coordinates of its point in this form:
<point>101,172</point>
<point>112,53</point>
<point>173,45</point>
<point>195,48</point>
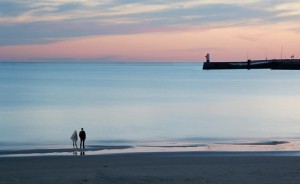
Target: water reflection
<point>75,153</point>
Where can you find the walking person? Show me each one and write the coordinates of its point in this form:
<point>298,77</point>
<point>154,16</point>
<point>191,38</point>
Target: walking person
<point>74,138</point>
<point>82,136</point>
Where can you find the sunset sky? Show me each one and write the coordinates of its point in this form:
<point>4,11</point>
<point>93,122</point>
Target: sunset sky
<point>148,30</point>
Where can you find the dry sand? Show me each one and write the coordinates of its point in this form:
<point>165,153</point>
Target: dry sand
<point>151,168</point>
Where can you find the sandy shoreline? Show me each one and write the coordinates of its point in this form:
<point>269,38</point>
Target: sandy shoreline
<point>269,147</point>
<point>60,150</point>
<point>151,168</point>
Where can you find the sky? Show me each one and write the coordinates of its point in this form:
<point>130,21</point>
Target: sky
<point>148,30</point>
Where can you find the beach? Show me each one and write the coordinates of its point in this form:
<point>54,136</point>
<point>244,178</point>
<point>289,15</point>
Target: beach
<point>188,167</point>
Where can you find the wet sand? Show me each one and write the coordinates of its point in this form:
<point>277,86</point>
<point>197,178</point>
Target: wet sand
<point>154,168</point>
<point>61,150</point>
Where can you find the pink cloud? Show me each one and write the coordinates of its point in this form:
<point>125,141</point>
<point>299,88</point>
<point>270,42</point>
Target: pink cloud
<point>185,45</point>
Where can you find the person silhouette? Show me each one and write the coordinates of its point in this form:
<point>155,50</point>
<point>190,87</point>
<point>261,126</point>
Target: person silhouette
<point>74,138</point>
<point>82,136</point>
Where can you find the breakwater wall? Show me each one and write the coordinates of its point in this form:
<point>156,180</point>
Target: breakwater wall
<point>276,64</point>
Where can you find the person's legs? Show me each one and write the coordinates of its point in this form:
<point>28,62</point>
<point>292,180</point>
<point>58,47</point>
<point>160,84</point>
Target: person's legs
<point>81,143</point>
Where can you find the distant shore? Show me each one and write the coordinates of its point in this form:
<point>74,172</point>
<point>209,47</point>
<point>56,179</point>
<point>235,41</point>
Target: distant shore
<point>144,168</point>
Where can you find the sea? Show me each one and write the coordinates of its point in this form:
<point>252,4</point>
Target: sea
<point>149,105</point>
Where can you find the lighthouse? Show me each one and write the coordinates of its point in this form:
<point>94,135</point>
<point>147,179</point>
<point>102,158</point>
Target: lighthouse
<point>207,56</point>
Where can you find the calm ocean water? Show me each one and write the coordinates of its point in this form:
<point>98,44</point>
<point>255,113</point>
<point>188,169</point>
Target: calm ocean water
<point>46,102</point>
